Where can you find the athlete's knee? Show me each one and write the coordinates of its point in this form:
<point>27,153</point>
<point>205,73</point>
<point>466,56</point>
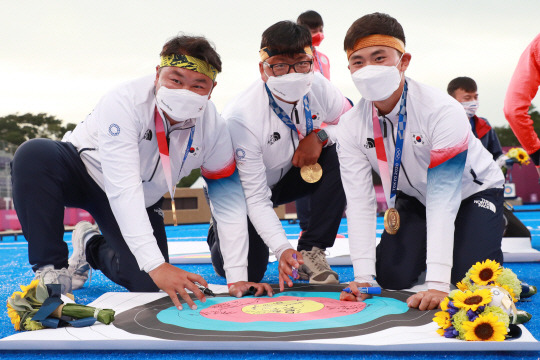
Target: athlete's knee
<point>31,156</point>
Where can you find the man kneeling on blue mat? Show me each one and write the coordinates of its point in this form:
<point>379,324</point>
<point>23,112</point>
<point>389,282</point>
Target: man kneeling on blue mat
<point>445,206</point>
<point>137,143</point>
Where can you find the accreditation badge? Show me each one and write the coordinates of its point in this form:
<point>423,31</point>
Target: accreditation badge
<point>391,221</point>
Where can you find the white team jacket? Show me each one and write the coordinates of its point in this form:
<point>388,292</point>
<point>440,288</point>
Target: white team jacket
<point>437,127</point>
<point>264,147</point>
<point>118,146</point>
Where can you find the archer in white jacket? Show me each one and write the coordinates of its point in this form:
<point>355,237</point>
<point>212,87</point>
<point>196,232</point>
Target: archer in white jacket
<point>269,153</point>
<point>137,143</point>
<point>449,190</point>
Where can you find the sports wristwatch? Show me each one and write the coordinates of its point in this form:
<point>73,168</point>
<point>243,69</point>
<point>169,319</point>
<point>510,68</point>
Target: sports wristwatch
<point>322,135</point>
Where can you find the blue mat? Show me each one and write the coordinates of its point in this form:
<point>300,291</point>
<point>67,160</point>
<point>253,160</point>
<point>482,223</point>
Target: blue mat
<point>15,270</point>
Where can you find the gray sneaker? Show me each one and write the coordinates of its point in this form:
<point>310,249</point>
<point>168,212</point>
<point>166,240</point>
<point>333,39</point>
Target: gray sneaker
<point>49,275</point>
<point>316,268</point>
<point>78,266</point>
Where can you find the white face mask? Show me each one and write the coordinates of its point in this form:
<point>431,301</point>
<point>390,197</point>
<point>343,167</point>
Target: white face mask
<point>470,107</point>
<point>290,87</point>
<point>377,82</point>
<point>181,104</point>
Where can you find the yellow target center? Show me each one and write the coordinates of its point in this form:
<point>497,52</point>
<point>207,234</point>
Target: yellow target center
<point>284,307</point>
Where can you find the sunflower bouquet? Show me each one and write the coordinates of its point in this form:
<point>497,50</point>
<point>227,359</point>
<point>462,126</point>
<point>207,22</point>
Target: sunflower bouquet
<point>467,315</point>
<point>482,308</point>
<point>40,306</point>
<point>518,156</point>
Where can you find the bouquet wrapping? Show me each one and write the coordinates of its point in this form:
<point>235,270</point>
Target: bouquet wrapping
<point>40,306</point>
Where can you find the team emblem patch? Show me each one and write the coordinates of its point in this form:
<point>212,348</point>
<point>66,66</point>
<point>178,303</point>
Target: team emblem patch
<point>240,154</point>
<point>418,139</point>
<point>114,130</point>
<point>194,150</point>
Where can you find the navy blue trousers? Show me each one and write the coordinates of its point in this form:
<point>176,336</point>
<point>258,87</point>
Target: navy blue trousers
<point>401,258</point>
<point>327,199</point>
<point>49,175</point>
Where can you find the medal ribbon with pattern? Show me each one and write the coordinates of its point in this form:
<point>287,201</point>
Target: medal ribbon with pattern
<point>390,184</point>
<point>164,156</point>
<point>285,118</point>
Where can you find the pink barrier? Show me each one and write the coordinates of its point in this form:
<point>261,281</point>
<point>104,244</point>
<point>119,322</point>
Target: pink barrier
<point>72,216</point>
<point>9,220</point>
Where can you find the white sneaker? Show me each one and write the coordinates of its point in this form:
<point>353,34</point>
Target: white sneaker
<point>316,268</point>
<point>78,266</point>
<point>49,275</point>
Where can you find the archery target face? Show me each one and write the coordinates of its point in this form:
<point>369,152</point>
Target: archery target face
<point>301,313</point>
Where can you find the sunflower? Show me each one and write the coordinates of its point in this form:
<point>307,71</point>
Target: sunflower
<point>518,155</point>
<point>485,328</point>
<point>462,286</point>
<point>470,300</point>
<point>442,318</point>
<point>522,156</point>
<point>26,289</point>
<point>14,317</point>
<point>485,272</point>
<point>510,291</point>
<point>444,304</point>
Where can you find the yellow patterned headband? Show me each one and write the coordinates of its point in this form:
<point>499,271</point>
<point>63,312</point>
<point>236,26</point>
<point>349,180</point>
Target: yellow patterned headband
<point>377,40</point>
<point>190,63</point>
<point>266,53</point>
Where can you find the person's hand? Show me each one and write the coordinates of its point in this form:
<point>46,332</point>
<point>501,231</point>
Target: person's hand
<point>241,288</point>
<point>174,281</point>
<point>308,151</point>
<point>355,295</point>
<point>426,300</point>
<point>286,263</point>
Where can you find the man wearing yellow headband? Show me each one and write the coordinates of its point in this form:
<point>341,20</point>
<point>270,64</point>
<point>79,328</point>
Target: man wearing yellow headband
<point>443,189</point>
<point>138,142</point>
<point>274,125</point>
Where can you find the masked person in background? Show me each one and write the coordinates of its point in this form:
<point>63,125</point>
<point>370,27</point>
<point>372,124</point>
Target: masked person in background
<point>314,22</point>
<point>465,90</point>
<point>275,128</point>
<point>443,189</point>
<point>136,144</point>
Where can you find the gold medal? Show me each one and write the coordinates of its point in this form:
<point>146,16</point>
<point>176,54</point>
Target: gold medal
<point>311,173</point>
<point>391,221</point>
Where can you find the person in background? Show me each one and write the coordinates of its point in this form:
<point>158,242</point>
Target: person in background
<point>519,95</point>
<point>314,22</point>
<point>465,91</point>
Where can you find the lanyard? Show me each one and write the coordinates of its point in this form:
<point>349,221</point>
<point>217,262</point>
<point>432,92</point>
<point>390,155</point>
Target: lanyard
<point>164,156</point>
<point>382,161</point>
<point>319,62</point>
<point>285,118</point>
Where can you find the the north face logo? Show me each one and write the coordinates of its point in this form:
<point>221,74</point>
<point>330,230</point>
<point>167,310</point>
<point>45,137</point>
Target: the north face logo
<point>273,138</point>
<point>483,203</point>
<point>159,212</point>
<point>370,143</point>
<point>148,135</point>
